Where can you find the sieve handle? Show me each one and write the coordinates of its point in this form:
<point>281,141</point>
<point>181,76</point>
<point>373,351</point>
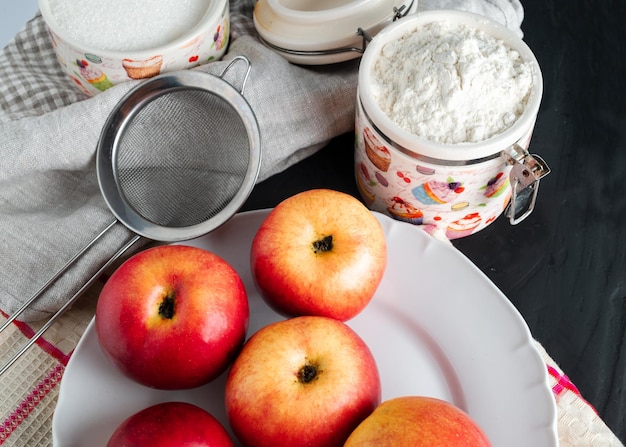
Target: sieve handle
<point>56,276</point>
<point>233,62</point>
<point>69,302</point>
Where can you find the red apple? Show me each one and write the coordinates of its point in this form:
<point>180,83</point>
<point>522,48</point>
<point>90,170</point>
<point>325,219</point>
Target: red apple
<point>171,424</point>
<point>319,252</point>
<point>418,421</point>
<point>304,381</point>
<point>172,317</point>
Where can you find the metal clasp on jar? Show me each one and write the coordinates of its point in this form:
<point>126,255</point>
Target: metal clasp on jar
<point>524,178</point>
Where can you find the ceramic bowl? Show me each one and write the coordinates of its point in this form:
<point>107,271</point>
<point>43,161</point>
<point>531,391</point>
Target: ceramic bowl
<point>93,70</point>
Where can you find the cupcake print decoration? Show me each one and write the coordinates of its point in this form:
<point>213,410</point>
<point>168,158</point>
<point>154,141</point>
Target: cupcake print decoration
<point>376,152</point>
<point>365,184</point>
<point>496,185</point>
<point>437,192</point>
<point>463,227</point>
<point>405,211</point>
<point>93,75</point>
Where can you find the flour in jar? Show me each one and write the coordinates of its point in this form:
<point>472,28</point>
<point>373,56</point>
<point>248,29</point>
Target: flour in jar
<point>451,84</point>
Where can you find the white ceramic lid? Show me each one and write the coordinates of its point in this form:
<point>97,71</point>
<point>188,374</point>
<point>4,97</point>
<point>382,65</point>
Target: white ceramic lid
<point>304,31</point>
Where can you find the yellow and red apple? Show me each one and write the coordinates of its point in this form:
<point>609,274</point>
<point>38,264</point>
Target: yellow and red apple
<point>319,252</point>
<point>172,317</point>
<point>171,424</point>
<point>303,381</point>
<point>418,421</point>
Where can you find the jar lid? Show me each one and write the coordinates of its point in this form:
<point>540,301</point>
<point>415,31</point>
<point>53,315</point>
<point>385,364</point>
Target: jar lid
<point>315,32</point>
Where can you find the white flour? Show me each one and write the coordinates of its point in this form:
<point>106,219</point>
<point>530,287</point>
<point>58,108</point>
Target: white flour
<point>451,84</point>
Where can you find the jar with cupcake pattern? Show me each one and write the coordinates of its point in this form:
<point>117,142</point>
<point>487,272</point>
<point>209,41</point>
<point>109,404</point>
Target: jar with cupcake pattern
<point>449,199</point>
<point>445,109</point>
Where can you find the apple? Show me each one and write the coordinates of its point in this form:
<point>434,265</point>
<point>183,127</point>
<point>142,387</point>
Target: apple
<point>307,380</point>
<point>172,316</point>
<point>171,424</point>
<point>418,421</point>
<point>319,252</point>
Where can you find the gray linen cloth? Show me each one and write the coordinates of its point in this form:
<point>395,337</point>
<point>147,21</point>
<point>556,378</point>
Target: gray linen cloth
<point>50,201</point>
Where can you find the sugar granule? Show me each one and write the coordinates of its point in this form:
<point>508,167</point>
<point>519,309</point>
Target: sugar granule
<point>127,25</point>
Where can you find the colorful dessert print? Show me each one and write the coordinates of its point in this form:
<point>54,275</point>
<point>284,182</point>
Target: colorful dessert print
<point>364,183</point>
<point>463,227</point>
<point>402,210</point>
<point>78,83</point>
<point>425,170</point>
<point>220,38</point>
<point>192,50</point>
<point>438,192</point>
<point>447,201</point>
<point>404,176</point>
<point>93,75</point>
<point>142,69</point>
<point>93,58</point>
<point>218,42</point>
<point>382,180</point>
<point>496,185</point>
<point>378,154</point>
<point>223,29</point>
<point>459,206</point>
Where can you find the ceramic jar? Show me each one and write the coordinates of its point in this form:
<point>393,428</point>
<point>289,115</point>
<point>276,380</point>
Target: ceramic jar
<point>450,190</point>
<point>323,32</point>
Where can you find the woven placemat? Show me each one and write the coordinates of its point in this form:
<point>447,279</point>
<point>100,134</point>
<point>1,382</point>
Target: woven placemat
<point>30,388</point>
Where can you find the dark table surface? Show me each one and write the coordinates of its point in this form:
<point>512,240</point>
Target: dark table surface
<point>564,267</point>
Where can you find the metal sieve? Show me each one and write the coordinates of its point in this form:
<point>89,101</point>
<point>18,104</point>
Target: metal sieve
<point>179,155</point>
<point>177,158</point>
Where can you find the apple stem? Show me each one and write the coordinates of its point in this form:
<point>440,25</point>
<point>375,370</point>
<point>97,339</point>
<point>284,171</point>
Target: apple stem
<point>307,373</point>
<point>166,308</point>
<point>323,244</point>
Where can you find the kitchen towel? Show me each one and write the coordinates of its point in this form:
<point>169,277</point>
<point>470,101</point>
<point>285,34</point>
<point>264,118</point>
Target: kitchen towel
<point>50,201</point>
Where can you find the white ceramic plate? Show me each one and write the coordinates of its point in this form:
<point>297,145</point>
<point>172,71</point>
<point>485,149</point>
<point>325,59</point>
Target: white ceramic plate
<point>437,326</point>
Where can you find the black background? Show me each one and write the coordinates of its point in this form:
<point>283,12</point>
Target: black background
<point>564,267</point>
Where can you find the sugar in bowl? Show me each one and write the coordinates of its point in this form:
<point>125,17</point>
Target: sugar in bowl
<point>446,106</point>
<point>100,44</point>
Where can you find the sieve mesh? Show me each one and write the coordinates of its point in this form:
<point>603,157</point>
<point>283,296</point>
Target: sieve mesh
<point>182,157</point>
